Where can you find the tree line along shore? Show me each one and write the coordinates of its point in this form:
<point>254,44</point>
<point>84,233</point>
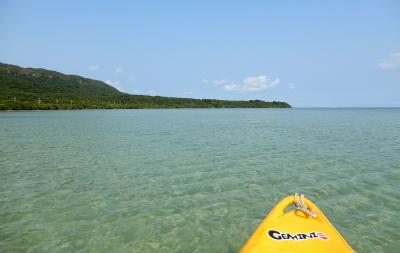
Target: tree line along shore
<point>41,89</point>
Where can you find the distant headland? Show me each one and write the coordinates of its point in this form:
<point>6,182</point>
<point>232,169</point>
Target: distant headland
<point>36,88</point>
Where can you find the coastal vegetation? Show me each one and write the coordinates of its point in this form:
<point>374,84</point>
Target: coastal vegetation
<point>35,88</point>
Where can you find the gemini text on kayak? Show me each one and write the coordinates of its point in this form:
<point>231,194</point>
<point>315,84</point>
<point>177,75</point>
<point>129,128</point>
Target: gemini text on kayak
<point>276,235</point>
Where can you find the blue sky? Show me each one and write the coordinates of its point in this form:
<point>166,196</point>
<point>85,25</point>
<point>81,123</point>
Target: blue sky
<point>308,53</point>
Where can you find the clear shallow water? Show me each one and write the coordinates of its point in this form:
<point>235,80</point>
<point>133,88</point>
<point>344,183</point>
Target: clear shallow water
<point>192,180</point>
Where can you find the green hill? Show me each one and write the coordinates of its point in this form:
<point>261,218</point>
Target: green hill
<point>31,88</point>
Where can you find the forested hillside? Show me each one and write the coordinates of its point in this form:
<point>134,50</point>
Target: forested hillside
<point>31,88</point>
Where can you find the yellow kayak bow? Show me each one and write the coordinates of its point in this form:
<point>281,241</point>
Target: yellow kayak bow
<point>303,229</point>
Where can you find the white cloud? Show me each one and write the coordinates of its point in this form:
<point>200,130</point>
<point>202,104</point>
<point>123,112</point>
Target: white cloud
<point>219,82</point>
<point>93,68</point>
<point>291,86</point>
<point>204,80</point>
<point>249,84</point>
<point>255,83</point>
<point>151,93</point>
<point>390,63</point>
<point>231,87</point>
<point>114,84</point>
<point>118,70</point>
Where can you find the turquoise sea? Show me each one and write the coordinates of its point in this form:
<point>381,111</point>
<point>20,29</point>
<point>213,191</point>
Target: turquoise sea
<point>192,180</point>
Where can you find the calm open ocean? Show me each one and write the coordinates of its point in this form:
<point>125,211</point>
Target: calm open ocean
<point>193,180</point>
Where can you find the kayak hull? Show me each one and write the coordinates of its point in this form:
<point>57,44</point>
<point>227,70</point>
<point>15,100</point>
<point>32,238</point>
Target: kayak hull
<point>294,231</point>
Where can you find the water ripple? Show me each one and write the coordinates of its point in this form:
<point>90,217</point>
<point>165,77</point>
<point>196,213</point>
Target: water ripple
<point>192,180</point>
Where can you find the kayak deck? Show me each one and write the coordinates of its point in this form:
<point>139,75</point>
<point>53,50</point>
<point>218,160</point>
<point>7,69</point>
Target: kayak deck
<point>295,231</point>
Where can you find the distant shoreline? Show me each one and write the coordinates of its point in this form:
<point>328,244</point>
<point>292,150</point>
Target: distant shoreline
<point>33,89</point>
<point>158,108</point>
<point>201,108</point>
